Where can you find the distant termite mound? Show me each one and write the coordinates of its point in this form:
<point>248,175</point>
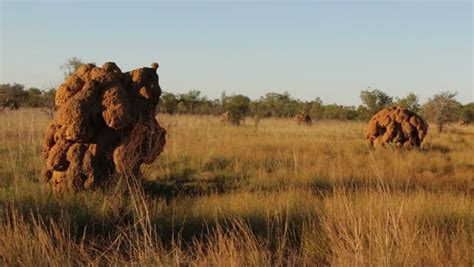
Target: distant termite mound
<point>303,119</point>
<point>104,125</point>
<point>463,122</point>
<point>398,126</point>
<point>225,118</point>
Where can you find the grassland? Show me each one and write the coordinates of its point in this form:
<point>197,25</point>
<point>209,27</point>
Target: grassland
<point>276,194</point>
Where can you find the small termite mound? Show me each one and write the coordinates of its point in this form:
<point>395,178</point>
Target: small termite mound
<point>225,118</point>
<point>104,125</point>
<point>396,125</point>
<point>303,119</point>
<point>463,122</point>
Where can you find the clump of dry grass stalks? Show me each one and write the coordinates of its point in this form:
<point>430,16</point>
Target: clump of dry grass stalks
<point>282,195</point>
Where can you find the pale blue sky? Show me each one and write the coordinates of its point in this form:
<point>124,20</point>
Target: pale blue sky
<point>329,49</point>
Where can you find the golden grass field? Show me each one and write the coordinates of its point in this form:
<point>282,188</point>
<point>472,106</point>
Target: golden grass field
<point>278,194</point>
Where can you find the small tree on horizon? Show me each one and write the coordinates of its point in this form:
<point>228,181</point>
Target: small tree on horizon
<point>238,106</point>
<point>71,65</point>
<point>467,112</point>
<point>442,108</point>
<point>168,103</point>
<point>375,100</point>
<point>13,95</point>
<point>410,102</point>
<point>190,100</point>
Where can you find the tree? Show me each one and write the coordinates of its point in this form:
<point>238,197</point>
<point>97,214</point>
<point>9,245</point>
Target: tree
<point>205,106</point>
<point>238,106</point>
<point>48,101</point>
<point>168,103</point>
<point>362,113</point>
<point>409,102</point>
<point>12,95</point>
<point>34,97</point>
<point>375,100</point>
<point>316,108</point>
<point>442,108</point>
<point>467,112</point>
<point>71,66</point>
<point>190,100</point>
<point>280,105</point>
<point>338,112</point>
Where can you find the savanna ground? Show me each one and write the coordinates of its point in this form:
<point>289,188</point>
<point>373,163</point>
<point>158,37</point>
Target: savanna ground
<point>279,194</point>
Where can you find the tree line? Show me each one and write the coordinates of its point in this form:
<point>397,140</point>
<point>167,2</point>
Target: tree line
<point>16,95</point>
<point>441,108</point>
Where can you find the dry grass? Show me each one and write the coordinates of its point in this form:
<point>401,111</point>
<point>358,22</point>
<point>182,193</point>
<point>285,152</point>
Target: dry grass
<point>274,195</point>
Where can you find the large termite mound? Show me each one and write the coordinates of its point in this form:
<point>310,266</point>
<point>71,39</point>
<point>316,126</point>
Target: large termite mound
<point>398,126</point>
<point>104,125</point>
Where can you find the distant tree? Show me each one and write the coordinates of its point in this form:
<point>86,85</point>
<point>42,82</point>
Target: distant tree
<point>168,103</point>
<point>48,97</point>
<point>48,101</point>
<point>338,112</point>
<point>467,112</point>
<point>316,108</point>
<point>181,107</point>
<point>271,104</point>
<point>410,102</point>
<point>223,98</point>
<point>442,108</point>
<point>12,95</point>
<point>279,105</point>
<point>34,97</point>
<point>217,107</point>
<point>71,66</point>
<point>362,113</point>
<point>238,106</point>
<point>206,106</point>
<point>375,100</point>
<point>190,100</point>
<point>256,109</point>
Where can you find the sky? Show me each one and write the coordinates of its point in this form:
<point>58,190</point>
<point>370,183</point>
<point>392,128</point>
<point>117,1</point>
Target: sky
<point>326,49</point>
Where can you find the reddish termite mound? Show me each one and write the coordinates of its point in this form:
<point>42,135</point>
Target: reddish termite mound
<point>303,118</point>
<point>396,125</point>
<point>104,125</point>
